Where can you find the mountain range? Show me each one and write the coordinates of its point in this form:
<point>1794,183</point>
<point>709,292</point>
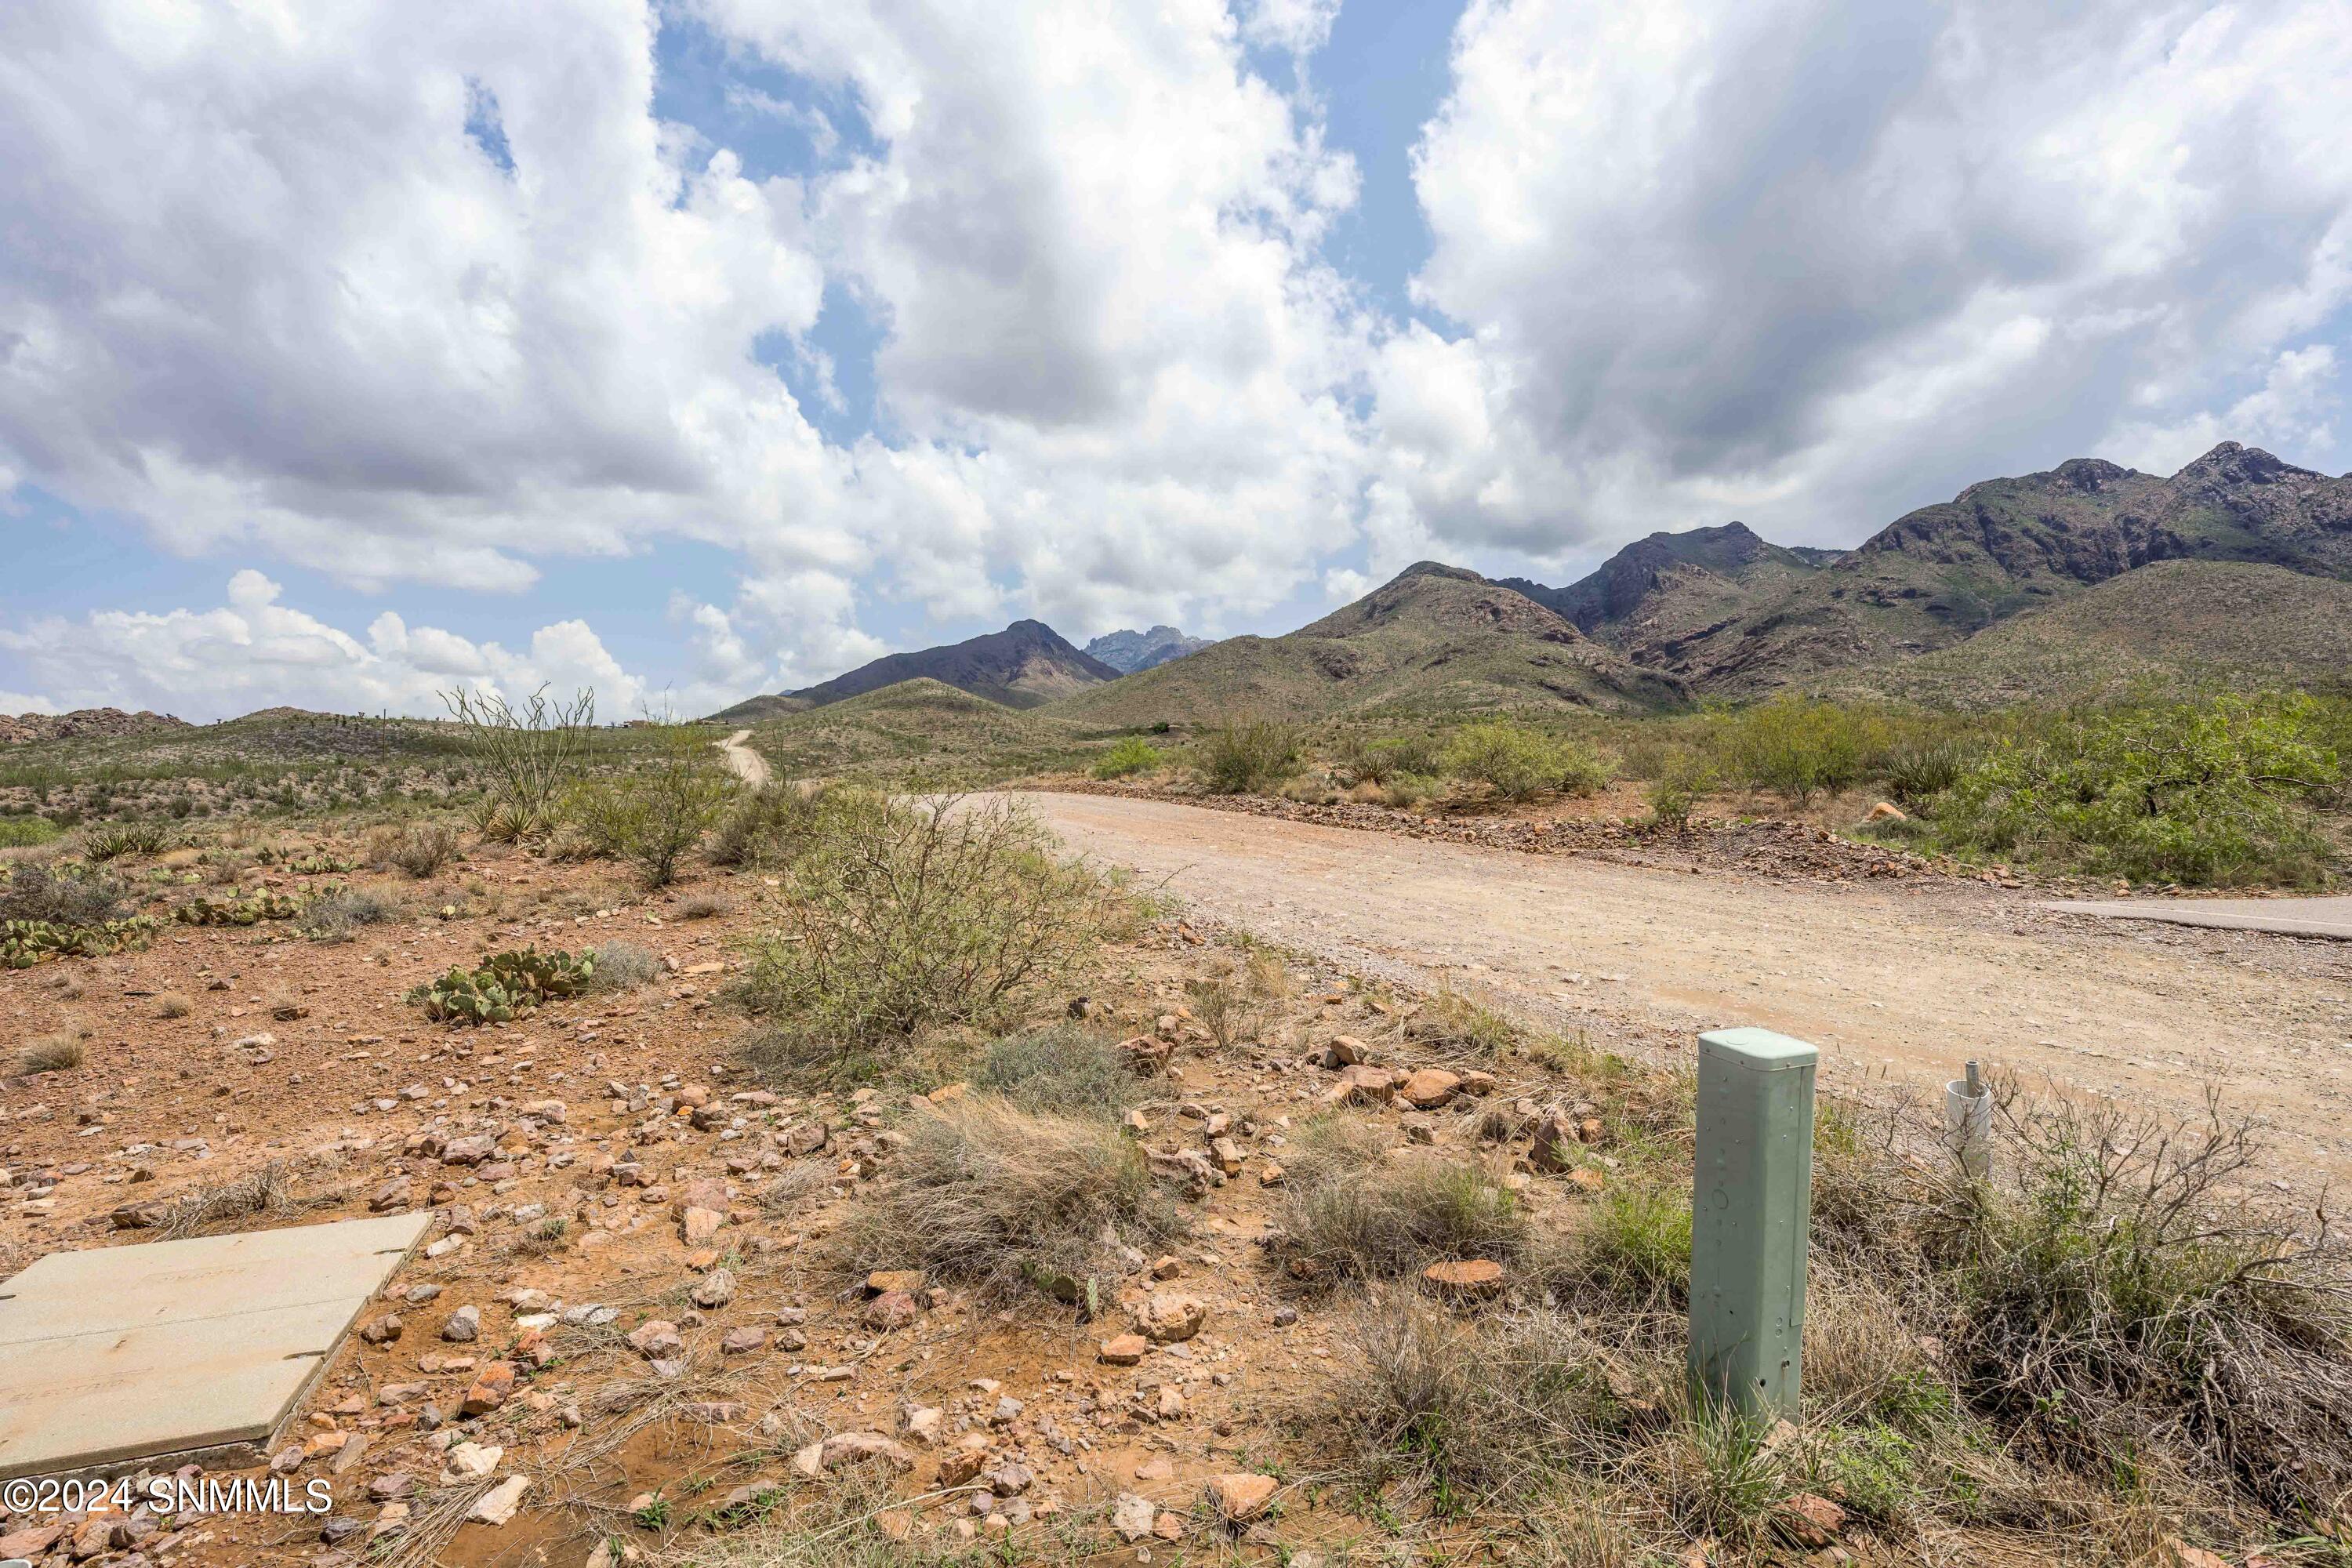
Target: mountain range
<point>2257,558</point>
<point>1128,651</point>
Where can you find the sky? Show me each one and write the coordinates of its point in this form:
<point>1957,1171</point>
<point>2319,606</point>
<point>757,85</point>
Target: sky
<point>354,350</point>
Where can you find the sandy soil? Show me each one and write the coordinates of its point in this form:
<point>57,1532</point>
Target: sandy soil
<point>1905,980</point>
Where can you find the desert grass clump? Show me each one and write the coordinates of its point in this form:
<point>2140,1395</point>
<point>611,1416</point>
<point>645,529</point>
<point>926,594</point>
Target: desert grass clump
<point>266,1190</point>
<point>1349,1214</point>
<point>1132,754</point>
<point>1061,1069</point>
<point>173,1004</point>
<point>624,966</point>
<point>705,906</point>
<point>1247,756</point>
<point>1236,1002</point>
<point>64,895</point>
<point>898,919</point>
<point>1461,1028</point>
<point>419,848</point>
<point>337,915</point>
<point>1012,1201</point>
<point>60,1050</point>
<point>1635,1243</point>
<point>1466,1415</point>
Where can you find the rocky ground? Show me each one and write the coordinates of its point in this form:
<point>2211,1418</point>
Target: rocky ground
<point>623,1335</point>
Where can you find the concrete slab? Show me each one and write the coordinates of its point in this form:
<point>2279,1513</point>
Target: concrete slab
<point>124,1354</point>
<point>2327,917</point>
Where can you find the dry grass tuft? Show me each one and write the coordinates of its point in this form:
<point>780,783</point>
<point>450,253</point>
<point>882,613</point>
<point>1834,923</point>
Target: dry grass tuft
<point>60,1050</point>
<point>268,1190</point>
<point>172,1005</point>
<point>1010,1200</point>
<point>1352,1210</point>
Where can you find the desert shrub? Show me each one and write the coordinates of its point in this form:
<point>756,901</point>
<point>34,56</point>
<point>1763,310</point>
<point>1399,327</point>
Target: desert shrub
<point>26,832</point>
<point>336,913</point>
<point>765,825</point>
<point>172,1005</point>
<point>1513,761</point>
<point>624,966</point>
<point>62,895</point>
<point>1798,748</point>
<point>54,1052</point>
<point>1366,760</point>
<point>1247,756</point>
<point>1235,1002</point>
<point>1681,776</point>
<point>1341,1219</point>
<point>112,841</point>
<point>1134,754</point>
<point>419,848</point>
<point>1011,1201</point>
<point>898,919</point>
<point>658,814</point>
<point>530,756</point>
<point>680,795</point>
<point>2117,1296</point>
<point>1061,1069</point>
<point>2205,793</point>
<point>706,907</point>
<point>1519,763</point>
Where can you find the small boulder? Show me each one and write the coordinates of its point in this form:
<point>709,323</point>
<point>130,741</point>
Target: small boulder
<point>1241,1499</point>
<point>1167,1317</point>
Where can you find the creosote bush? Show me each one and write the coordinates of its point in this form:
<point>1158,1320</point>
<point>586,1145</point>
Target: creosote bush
<point>1251,756</point>
<point>1012,1202</point>
<point>765,825</point>
<point>899,918</point>
<point>1519,763</point>
<point>1131,755</point>
<point>2209,793</point>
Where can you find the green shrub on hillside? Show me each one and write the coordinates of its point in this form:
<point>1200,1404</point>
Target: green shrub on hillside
<point>897,919</point>
<point>2207,793</point>
<point>1132,756</point>
<point>1797,749</point>
<point>1248,757</point>
<point>23,832</point>
<point>1519,763</point>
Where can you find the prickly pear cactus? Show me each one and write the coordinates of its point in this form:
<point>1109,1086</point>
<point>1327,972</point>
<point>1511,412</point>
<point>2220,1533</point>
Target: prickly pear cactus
<point>506,986</point>
<point>250,909</point>
<point>23,943</point>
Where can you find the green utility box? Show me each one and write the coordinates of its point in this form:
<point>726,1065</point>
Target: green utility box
<point>1751,1208</point>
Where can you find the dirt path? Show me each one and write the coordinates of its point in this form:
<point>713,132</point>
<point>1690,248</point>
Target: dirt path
<point>1898,980</point>
<point>747,764</point>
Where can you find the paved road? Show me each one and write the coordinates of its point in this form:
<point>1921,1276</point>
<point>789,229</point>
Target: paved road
<point>748,764</point>
<point>1886,978</point>
<point>2290,917</point>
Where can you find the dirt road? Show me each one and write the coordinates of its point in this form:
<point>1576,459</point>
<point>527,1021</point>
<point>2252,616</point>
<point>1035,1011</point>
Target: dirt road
<point>1898,979</point>
<point>742,759</point>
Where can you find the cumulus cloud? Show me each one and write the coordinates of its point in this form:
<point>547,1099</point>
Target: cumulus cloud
<point>1122,369</point>
<point>253,652</point>
<point>429,294</point>
<point>1811,262</point>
